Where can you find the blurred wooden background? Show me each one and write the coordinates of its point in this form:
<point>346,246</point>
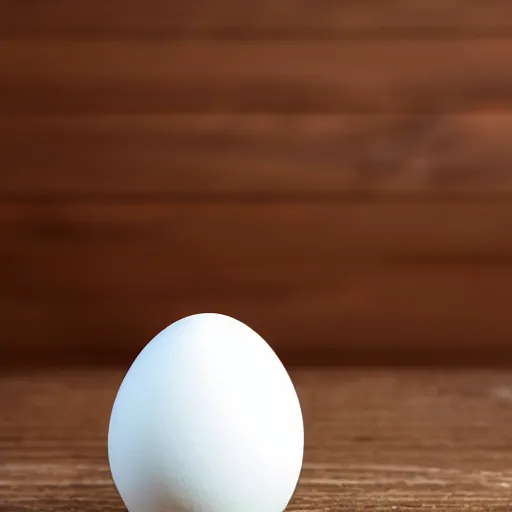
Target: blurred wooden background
<point>337,174</point>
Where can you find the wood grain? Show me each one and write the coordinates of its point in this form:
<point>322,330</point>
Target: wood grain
<point>375,440</point>
<point>91,77</point>
<point>270,155</point>
<point>91,278</point>
<point>336,174</point>
<point>228,18</point>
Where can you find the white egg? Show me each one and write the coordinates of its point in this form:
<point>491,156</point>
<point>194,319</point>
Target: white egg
<point>206,420</point>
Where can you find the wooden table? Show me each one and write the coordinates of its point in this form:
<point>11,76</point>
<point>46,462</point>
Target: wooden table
<point>376,439</point>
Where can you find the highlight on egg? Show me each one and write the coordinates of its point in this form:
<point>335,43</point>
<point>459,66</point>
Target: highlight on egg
<point>206,420</point>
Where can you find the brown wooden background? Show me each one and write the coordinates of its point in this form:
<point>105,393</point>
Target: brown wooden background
<point>337,174</point>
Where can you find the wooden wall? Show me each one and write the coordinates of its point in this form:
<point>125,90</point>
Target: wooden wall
<point>337,174</point>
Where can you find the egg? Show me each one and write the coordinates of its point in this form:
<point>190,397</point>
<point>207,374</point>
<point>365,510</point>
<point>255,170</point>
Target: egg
<point>206,420</point>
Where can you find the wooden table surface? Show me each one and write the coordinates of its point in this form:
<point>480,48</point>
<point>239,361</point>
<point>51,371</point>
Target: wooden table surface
<point>376,439</point>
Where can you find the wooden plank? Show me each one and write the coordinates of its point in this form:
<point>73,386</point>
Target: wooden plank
<point>383,439</point>
<point>329,279</point>
<point>228,18</point>
<point>265,155</point>
<point>260,77</point>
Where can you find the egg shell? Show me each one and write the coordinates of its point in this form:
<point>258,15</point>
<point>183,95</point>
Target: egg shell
<point>206,420</point>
